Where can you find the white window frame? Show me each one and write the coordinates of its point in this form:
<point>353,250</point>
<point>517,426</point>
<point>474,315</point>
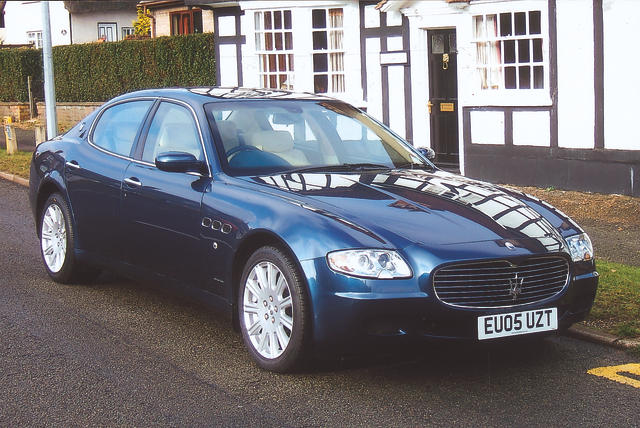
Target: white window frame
<point>127,31</point>
<point>502,96</point>
<point>35,37</point>
<point>337,85</point>
<point>266,55</point>
<point>105,26</point>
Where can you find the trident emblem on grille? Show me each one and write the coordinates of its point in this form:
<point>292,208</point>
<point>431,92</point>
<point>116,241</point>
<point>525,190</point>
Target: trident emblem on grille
<point>515,287</point>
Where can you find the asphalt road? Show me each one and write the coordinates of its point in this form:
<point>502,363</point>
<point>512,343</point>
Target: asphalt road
<point>126,353</point>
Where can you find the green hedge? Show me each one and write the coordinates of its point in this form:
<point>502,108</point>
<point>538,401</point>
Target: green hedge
<point>15,65</point>
<point>100,71</point>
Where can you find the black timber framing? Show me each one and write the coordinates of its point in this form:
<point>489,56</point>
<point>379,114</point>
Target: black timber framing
<point>382,32</point>
<point>238,39</point>
<point>596,170</point>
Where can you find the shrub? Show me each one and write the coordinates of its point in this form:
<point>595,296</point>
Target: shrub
<point>100,71</point>
<point>15,65</point>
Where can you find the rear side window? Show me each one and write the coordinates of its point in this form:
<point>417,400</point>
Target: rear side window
<point>118,126</point>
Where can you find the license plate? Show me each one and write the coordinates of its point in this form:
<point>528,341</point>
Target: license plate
<point>515,323</point>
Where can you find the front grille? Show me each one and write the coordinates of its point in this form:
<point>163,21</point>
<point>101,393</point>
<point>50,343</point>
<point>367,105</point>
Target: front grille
<point>494,283</point>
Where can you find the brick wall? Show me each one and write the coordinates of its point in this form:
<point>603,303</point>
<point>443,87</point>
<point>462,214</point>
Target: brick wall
<point>69,113</point>
<point>18,111</point>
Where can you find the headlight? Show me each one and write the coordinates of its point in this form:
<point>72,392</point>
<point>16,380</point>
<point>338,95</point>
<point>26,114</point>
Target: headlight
<point>580,247</point>
<point>382,264</point>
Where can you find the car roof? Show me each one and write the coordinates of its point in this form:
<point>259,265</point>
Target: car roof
<point>214,94</point>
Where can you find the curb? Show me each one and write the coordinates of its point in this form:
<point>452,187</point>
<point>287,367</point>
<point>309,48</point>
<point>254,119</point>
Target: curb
<point>585,333</point>
<point>16,179</point>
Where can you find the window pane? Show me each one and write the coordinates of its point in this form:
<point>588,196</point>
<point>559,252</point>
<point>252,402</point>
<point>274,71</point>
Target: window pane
<point>282,62</point>
<point>437,44</point>
<point>509,51</point>
<point>337,61</point>
<point>319,40</point>
<point>505,24</point>
<point>197,22</point>
<point>535,26</point>
<point>288,41</point>
<point>537,50</point>
<point>267,21</point>
<point>319,18</point>
<point>287,19</point>
<point>523,51</point>
<point>335,18</point>
<point>278,41</point>
<point>172,130</point>
<point>510,77</point>
<point>258,19</point>
<point>520,23</point>
<point>117,127</point>
<point>320,83</point>
<point>538,77</point>
<point>320,63</point>
<point>525,77</point>
<point>277,20</point>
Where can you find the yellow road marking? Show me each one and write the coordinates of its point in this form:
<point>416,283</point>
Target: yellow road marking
<point>613,373</point>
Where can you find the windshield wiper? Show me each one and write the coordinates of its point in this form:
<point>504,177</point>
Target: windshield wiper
<point>339,168</point>
<point>413,165</point>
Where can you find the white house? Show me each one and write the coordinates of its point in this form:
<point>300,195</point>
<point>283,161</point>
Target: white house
<point>108,20</point>
<point>516,91</point>
<point>23,23</point>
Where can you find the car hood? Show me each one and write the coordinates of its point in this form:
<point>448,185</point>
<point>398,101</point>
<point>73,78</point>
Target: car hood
<point>406,207</point>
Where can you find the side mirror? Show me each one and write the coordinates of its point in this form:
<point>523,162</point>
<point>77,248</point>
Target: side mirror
<point>427,152</point>
<point>178,162</point>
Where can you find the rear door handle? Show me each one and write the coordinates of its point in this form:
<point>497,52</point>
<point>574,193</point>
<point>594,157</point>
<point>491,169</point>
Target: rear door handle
<point>133,182</point>
<point>72,164</point>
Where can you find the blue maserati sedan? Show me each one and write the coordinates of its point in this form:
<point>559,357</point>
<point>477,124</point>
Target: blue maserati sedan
<point>311,225</point>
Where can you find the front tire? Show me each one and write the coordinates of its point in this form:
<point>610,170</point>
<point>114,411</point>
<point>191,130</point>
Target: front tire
<point>273,311</point>
<point>57,243</point>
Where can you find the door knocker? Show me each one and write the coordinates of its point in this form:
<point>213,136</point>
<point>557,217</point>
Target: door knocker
<point>445,61</point>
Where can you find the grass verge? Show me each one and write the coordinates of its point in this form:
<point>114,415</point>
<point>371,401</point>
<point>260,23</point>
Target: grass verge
<point>617,306</point>
<point>17,163</point>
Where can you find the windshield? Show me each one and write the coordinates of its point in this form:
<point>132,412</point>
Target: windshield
<point>266,136</point>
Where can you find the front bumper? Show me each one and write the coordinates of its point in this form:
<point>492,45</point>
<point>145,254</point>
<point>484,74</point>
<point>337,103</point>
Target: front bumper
<point>350,312</point>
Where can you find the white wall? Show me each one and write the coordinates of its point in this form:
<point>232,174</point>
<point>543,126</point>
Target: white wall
<point>576,103</point>
<point>621,70</point>
<point>85,25</point>
<point>24,16</point>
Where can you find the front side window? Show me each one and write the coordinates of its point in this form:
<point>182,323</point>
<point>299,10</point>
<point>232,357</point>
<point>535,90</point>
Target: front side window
<point>510,50</point>
<point>35,38</point>
<point>172,129</point>
<point>118,126</point>
<point>328,50</point>
<point>274,46</point>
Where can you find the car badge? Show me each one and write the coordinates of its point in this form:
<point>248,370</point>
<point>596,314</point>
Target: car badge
<point>515,286</point>
<point>509,245</point>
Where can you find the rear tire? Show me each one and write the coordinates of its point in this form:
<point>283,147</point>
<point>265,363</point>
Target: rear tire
<point>273,310</point>
<point>57,243</point>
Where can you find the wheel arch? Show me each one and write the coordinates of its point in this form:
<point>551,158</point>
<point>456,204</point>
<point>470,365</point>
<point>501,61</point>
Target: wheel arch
<point>46,189</point>
<point>250,243</point>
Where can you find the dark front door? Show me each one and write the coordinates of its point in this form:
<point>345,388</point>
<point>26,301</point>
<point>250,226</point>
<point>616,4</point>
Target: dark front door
<point>443,95</point>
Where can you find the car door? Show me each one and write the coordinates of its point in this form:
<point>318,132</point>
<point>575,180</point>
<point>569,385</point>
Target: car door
<point>162,210</point>
<point>94,171</point>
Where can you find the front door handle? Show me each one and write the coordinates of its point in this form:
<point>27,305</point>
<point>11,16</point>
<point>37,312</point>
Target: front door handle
<point>72,164</point>
<point>133,182</point>
<point>429,105</point>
